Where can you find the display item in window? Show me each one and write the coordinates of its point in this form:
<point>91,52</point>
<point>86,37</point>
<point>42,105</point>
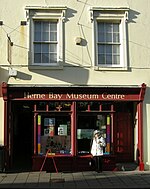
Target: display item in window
<point>97,145</point>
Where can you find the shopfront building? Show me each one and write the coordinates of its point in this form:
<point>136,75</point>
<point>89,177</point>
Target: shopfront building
<point>50,127</point>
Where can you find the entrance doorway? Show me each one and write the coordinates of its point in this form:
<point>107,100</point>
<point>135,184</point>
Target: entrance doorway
<point>22,136</point>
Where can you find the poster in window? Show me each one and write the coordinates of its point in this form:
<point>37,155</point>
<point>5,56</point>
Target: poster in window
<point>49,131</point>
<point>84,133</point>
<point>46,132</point>
<point>62,130</point>
<point>49,121</point>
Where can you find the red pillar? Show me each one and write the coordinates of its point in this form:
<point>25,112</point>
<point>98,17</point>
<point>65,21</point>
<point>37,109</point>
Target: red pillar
<point>140,135</point>
<point>5,97</point>
<point>73,130</point>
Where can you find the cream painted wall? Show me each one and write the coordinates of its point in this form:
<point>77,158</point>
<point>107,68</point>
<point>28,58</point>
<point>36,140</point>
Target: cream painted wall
<point>80,56</point>
<point>78,68</point>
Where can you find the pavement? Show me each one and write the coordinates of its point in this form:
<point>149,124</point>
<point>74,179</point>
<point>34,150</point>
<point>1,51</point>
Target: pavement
<point>75,180</point>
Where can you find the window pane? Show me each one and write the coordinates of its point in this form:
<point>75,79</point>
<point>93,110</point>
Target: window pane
<point>109,49</point>
<point>37,26</point>
<point>53,32</point>
<point>109,37</point>
<point>37,29</point>
<point>108,59</point>
<point>108,28</point>
<point>53,57</point>
<point>37,58</point>
<point>116,37</point>
<point>45,36</point>
<point>37,48</point>
<point>116,28</point>
<point>53,36</point>
<point>53,48</point>
<point>101,49</point>
<point>116,59</point>
<point>45,57</point>
<point>46,26</point>
<point>53,26</point>
<point>116,49</point>
<point>37,36</point>
<point>101,59</point>
<point>101,27</point>
<point>101,37</point>
<point>45,48</point>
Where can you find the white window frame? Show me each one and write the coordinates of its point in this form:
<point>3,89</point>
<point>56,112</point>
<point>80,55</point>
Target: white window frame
<point>52,13</point>
<point>106,14</point>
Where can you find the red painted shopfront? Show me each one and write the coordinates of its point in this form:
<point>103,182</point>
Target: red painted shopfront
<point>50,128</point>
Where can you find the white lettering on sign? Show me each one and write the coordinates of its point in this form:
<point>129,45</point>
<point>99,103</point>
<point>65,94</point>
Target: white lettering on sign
<point>35,96</point>
<point>113,96</point>
<point>72,96</point>
<point>82,96</point>
<point>55,96</point>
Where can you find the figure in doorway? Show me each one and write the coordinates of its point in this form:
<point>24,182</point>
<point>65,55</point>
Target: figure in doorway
<point>97,145</point>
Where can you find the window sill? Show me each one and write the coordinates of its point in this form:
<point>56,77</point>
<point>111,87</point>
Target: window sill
<point>97,68</point>
<point>40,67</point>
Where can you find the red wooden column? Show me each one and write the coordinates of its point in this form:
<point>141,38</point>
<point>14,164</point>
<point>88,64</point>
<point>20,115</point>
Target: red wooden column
<point>73,130</point>
<point>5,98</point>
<point>35,131</point>
<point>140,126</point>
<point>140,135</point>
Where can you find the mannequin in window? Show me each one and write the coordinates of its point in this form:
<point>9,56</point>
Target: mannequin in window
<point>97,145</point>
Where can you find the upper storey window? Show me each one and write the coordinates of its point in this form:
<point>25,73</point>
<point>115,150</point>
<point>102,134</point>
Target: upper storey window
<point>45,42</point>
<point>108,43</point>
<point>109,26</point>
<point>46,35</point>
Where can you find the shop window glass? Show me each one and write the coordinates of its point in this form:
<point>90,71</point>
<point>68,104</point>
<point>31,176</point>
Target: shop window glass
<point>86,125</point>
<point>82,106</point>
<point>60,106</point>
<point>103,123</point>
<point>106,106</point>
<point>54,134</point>
<point>41,105</point>
<point>54,106</point>
<point>85,129</point>
<point>94,106</point>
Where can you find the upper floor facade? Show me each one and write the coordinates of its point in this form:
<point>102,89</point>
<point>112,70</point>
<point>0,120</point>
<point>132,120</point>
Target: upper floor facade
<point>74,42</point>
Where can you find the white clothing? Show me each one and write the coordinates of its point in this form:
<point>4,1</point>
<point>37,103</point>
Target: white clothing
<point>97,146</point>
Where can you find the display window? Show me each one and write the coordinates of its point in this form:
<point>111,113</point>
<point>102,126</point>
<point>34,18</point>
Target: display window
<point>86,126</point>
<point>54,134</point>
<point>54,123</point>
<point>91,116</point>
<point>53,127</point>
